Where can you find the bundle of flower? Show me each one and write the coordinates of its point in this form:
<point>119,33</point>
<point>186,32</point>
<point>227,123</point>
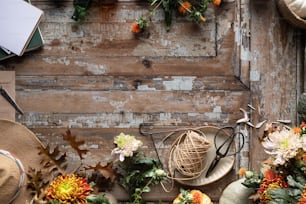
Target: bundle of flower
<point>52,183</point>
<point>138,172</point>
<point>192,197</point>
<point>282,178</point>
<point>193,10</point>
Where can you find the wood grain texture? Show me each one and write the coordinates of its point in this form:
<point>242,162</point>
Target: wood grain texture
<point>274,70</point>
<point>98,79</point>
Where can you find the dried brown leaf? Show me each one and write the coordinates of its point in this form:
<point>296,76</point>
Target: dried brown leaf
<point>53,160</point>
<point>71,139</point>
<point>107,171</point>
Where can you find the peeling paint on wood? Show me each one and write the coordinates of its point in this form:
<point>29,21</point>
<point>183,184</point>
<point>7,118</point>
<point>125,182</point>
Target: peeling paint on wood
<point>99,79</point>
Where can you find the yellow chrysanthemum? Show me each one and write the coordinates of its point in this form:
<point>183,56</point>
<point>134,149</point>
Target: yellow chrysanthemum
<point>69,189</point>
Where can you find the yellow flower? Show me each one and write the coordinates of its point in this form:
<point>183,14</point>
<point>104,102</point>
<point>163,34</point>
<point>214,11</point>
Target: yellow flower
<point>69,189</point>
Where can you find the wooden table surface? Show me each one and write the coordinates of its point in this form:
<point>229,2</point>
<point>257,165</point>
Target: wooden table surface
<point>98,79</point>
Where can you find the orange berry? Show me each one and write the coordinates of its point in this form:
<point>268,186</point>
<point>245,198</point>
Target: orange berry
<point>184,7</point>
<point>135,28</point>
<point>217,2</point>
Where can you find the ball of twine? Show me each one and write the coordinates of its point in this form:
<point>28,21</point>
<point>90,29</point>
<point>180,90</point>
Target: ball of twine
<point>190,153</point>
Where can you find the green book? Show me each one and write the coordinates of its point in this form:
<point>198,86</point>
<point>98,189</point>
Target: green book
<point>35,43</point>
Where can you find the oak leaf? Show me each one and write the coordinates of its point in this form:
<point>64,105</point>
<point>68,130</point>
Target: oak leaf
<point>53,160</point>
<point>71,139</point>
<point>107,171</point>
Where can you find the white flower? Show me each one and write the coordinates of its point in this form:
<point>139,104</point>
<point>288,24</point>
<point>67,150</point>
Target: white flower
<point>282,145</point>
<point>126,146</point>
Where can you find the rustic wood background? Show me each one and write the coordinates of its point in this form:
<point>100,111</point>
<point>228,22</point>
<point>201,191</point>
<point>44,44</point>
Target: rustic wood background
<point>98,79</point>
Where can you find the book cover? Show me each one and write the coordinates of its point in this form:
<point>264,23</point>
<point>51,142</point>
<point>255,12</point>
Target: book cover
<point>18,22</point>
<point>36,42</point>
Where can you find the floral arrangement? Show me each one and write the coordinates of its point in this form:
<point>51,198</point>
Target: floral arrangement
<point>282,178</point>
<point>193,10</point>
<point>191,197</point>
<point>138,172</point>
<point>53,184</point>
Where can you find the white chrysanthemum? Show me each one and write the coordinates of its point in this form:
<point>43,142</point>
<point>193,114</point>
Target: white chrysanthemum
<point>282,145</point>
<point>126,146</point>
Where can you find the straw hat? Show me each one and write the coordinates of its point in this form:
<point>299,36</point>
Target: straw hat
<point>18,152</point>
<point>294,11</point>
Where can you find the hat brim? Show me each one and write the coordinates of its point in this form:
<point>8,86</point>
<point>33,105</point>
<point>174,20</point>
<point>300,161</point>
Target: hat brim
<point>23,144</point>
<point>290,15</point>
<point>224,166</point>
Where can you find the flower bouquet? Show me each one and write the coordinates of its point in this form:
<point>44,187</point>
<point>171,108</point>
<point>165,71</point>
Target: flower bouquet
<point>53,183</point>
<point>193,10</point>
<point>282,179</point>
<point>138,172</point>
<point>192,197</point>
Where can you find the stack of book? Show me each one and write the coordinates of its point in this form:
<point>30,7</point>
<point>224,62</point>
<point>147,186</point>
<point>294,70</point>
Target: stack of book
<point>19,31</point>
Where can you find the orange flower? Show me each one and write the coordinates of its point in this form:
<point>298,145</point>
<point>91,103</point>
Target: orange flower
<point>217,2</point>
<point>269,174</point>
<point>135,28</point>
<point>184,7</point>
<point>67,189</point>
<point>297,130</point>
<point>242,172</point>
<point>303,124</point>
<point>303,198</point>
<point>197,196</point>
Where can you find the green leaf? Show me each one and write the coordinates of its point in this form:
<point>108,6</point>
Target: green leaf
<point>146,189</point>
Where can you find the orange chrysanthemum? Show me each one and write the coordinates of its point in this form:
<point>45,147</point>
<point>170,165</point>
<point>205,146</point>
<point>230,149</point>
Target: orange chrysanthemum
<point>217,2</point>
<point>269,182</point>
<point>303,197</point>
<point>135,28</point>
<point>184,7</point>
<point>69,189</point>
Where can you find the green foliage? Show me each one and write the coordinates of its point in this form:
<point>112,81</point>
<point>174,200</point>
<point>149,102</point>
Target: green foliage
<point>253,180</point>
<point>185,197</point>
<point>138,174</point>
<point>80,9</point>
<point>97,199</point>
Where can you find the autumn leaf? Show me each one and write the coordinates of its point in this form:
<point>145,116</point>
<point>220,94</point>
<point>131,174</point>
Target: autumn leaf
<point>106,171</point>
<point>53,160</point>
<point>71,139</point>
<point>35,181</point>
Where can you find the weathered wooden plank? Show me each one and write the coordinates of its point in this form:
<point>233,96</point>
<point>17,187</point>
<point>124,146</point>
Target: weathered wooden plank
<point>273,70</point>
<point>78,65</point>
<point>132,83</point>
<point>127,120</point>
<point>67,101</point>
